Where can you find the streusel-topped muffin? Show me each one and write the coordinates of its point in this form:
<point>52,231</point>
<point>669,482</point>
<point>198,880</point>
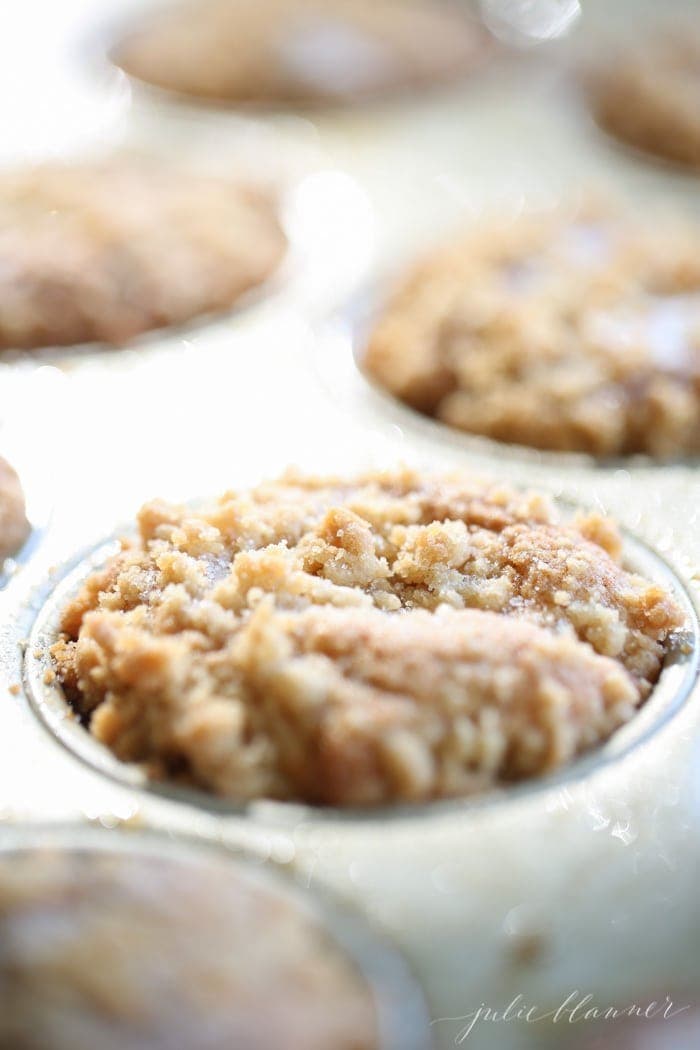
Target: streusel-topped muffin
<point>102,252</point>
<point>353,641</point>
<point>284,52</point>
<point>129,951</point>
<point>571,332</point>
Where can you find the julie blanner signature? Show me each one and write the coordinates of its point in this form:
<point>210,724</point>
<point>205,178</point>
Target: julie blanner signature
<point>575,1008</point>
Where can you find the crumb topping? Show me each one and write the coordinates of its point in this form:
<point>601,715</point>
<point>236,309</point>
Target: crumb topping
<point>392,637</point>
<point>302,51</point>
<point>103,252</point>
<point>559,332</point>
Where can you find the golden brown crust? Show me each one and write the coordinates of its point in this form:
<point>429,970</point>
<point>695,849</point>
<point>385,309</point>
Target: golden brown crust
<point>647,96</point>
<point>14,527</point>
<point>390,637</point>
<point>104,252</point>
<point>302,51</point>
<point>127,950</point>
<point>559,332</point>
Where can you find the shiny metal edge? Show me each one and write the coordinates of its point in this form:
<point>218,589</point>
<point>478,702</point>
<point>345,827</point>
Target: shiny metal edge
<point>403,1018</point>
<point>48,702</point>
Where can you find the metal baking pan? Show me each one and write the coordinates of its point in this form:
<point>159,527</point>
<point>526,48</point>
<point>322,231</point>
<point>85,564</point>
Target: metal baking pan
<point>584,883</point>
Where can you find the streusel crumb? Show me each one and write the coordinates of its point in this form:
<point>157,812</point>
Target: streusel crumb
<point>571,333</point>
<point>387,638</point>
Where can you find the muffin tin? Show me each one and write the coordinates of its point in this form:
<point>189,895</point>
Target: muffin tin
<point>583,882</point>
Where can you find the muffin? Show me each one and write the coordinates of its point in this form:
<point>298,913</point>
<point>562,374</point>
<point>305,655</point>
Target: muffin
<point>394,637</point>
<point>299,52</point>
<point>125,950</point>
<point>14,527</point>
<point>564,332</point>
<point>103,252</point>
<point>648,96</point>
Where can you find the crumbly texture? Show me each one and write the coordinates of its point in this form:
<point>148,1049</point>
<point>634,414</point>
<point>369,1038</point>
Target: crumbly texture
<point>393,637</point>
<point>14,527</point>
<point>128,950</point>
<point>648,96</point>
<point>563,331</point>
<point>302,51</point>
<point>103,252</point>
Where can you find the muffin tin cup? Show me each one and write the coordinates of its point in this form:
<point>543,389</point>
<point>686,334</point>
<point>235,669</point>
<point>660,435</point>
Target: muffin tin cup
<point>275,133</point>
<point>319,207</point>
<point>402,1015</point>
<point>341,341</point>
<point>99,52</point>
<point>50,706</point>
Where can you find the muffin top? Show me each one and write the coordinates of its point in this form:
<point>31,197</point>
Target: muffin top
<point>117,950</point>
<point>648,95</point>
<point>571,332</point>
<point>102,252</point>
<point>301,51</point>
<point>14,527</point>
<point>356,641</point>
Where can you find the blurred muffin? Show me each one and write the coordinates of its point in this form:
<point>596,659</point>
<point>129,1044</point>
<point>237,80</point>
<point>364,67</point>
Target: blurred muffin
<point>354,641</point>
<point>302,51</point>
<point>14,527</point>
<point>652,1022</point>
<point>103,252</point>
<point>649,96</point>
<point>122,951</point>
<point>573,333</point>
